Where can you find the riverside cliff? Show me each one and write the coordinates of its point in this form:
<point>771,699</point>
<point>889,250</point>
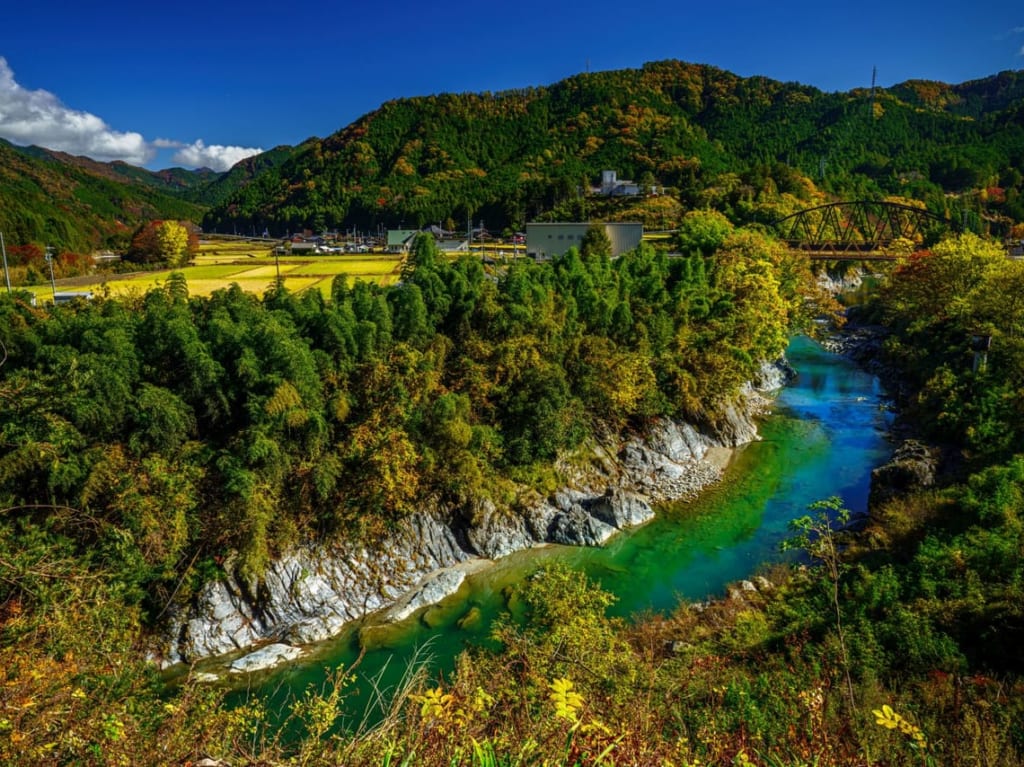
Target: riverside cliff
<point>311,592</point>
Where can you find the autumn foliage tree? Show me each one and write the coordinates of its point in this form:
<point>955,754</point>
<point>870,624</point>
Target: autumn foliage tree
<point>168,243</point>
<point>937,304</point>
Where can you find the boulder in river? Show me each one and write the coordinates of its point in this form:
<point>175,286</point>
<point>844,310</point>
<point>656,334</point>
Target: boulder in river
<point>913,466</point>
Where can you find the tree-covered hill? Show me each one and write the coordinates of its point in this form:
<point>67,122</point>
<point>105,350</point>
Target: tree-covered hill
<point>78,204</point>
<point>220,186</point>
<point>714,138</point>
<point>75,203</point>
<point>170,180</point>
<point>753,148</point>
<point>975,98</point>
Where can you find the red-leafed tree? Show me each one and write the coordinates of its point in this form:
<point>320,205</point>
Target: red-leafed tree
<point>25,255</point>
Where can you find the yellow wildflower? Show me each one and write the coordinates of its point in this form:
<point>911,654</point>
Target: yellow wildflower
<point>434,702</point>
<point>567,701</point>
<point>887,718</point>
<point>482,700</point>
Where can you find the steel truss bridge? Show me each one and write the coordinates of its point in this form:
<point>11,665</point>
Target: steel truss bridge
<point>864,230</point>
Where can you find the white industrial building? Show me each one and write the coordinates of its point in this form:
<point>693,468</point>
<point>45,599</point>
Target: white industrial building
<point>548,240</point>
<point>613,186</point>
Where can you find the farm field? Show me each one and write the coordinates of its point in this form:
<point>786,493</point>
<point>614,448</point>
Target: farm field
<point>251,265</point>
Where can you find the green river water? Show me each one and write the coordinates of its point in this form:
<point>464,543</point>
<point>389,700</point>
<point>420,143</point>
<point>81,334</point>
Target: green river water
<point>825,435</point>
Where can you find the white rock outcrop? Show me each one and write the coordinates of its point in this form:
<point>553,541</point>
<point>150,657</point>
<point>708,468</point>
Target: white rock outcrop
<point>311,592</point>
<point>266,657</point>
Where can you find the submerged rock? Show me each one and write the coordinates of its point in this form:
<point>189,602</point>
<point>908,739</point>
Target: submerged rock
<point>266,657</point>
<point>470,619</point>
<point>380,635</point>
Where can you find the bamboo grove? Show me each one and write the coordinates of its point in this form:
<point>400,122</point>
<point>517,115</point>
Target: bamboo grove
<point>186,430</point>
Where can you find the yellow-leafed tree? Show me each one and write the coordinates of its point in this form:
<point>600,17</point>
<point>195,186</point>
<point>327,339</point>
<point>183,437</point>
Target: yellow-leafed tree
<point>169,242</point>
<point>172,239</point>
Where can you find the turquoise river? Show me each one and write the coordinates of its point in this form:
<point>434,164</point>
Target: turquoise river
<point>826,433</point>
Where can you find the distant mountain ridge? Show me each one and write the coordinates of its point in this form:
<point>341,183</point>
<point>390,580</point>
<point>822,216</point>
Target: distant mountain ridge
<point>971,99</point>
<point>714,139</point>
<point>77,203</point>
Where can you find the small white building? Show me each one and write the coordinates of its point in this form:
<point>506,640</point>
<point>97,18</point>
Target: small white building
<point>66,297</point>
<point>549,240</point>
<point>612,186</point>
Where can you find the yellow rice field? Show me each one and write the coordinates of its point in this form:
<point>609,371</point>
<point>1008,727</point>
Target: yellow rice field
<point>250,265</point>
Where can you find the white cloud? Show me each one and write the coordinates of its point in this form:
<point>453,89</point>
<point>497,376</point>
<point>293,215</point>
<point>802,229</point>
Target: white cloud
<point>219,158</point>
<point>39,117</point>
<point>166,143</point>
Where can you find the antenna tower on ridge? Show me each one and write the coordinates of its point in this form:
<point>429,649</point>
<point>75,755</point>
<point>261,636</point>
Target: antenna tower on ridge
<point>871,106</point>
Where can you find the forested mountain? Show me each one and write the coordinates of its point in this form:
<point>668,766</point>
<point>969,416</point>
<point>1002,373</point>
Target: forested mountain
<point>222,185</point>
<point>78,204</point>
<point>974,99</point>
<point>169,180</point>
<point>753,148</point>
<point>715,139</point>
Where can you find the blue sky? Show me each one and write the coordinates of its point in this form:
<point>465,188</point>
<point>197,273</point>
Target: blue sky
<point>195,83</point>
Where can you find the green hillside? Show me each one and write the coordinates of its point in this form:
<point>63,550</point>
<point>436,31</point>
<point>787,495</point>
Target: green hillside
<point>715,139</point>
<point>753,148</point>
<point>219,187</point>
<point>74,203</point>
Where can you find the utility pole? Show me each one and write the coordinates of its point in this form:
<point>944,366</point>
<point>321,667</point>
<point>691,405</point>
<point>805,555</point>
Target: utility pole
<point>53,282</point>
<point>7,272</point>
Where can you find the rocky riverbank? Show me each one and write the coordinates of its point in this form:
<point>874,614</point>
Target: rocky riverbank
<point>310,593</point>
